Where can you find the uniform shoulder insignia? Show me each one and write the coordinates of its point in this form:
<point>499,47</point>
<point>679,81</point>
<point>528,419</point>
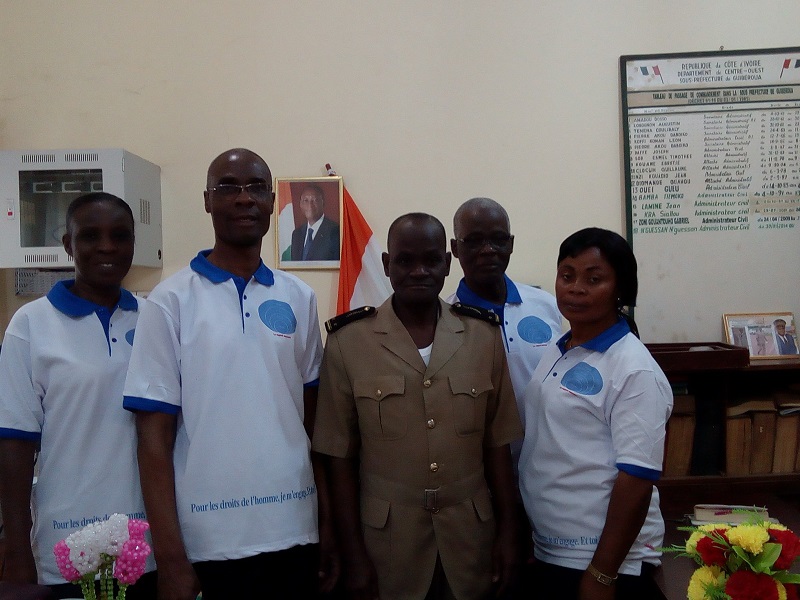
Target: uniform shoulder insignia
<point>476,312</point>
<point>350,316</point>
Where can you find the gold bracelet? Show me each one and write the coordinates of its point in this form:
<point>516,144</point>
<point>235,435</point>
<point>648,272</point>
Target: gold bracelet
<point>601,577</point>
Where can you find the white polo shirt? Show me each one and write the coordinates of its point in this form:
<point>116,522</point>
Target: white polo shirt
<point>62,370</point>
<point>231,357</point>
<point>592,411</point>
<point>530,321</point>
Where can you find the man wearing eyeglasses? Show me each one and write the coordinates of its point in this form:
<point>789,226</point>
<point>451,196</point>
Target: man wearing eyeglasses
<point>529,316</point>
<point>318,237</point>
<point>223,380</point>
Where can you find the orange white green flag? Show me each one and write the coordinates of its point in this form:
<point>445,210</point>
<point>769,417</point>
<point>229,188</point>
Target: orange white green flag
<point>362,281</point>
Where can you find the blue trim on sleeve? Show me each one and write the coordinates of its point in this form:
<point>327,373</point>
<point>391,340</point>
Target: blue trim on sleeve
<point>201,265</point>
<point>18,434</point>
<point>314,383</point>
<point>134,403</point>
<point>640,472</point>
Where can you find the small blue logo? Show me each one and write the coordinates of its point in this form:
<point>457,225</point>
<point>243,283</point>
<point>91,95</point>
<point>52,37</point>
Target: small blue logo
<point>583,379</point>
<point>534,331</point>
<point>278,316</point>
<point>129,336</point>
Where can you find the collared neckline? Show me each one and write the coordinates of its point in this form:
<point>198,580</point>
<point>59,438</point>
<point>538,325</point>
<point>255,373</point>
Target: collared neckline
<point>467,296</point>
<point>201,265</point>
<point>599,343</point>
<point>62,298</point>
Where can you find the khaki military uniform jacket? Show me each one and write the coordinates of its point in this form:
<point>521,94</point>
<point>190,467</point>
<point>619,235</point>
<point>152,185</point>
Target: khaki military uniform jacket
<point>419,433</point>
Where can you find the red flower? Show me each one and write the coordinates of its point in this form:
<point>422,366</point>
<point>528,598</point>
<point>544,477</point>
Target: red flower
<point>790,547</point>
<point>712,552</point>
<point>791,591</point>
<point>746,585</point>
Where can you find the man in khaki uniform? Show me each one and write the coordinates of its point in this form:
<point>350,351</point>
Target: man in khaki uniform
<point>416,412</point>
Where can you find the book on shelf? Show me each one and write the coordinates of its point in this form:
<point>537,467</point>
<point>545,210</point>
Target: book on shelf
<point>787,432</point>
<point>680,437</point>
<point>750,436</point>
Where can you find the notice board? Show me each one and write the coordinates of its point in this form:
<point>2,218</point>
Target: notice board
<point>712,183</point>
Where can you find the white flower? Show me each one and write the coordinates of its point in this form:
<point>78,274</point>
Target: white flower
<point>116,530</point>
<point>85,546</point>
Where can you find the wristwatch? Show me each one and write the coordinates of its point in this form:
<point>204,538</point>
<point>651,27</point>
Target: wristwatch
<point>601,577</point>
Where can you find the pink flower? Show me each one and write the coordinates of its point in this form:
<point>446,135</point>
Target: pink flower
<point>65,566</point>
<point>131,561</point>
<point>137,528</point>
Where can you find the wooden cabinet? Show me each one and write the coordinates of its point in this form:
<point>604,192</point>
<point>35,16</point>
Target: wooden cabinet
<point>717,376</point>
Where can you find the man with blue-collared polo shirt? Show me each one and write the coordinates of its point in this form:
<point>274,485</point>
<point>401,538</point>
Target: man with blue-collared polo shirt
<point>223,379</point>
<point>529,316</point>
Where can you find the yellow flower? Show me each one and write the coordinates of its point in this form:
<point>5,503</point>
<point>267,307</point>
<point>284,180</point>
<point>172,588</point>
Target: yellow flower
<point>702,578</point>
<point>750,538</point>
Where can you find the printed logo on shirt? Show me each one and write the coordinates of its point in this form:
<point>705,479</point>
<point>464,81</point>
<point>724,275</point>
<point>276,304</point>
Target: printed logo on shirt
<point>278,316</point>
<point>534,331</point>
<point>129,336</point>
<point>583,379</point>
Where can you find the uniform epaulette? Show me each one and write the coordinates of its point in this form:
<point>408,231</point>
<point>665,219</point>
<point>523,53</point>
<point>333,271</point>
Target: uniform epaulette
<point>343,319</point>
<point>476,312</point>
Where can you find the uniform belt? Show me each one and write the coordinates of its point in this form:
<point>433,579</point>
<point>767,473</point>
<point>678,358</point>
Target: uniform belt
<point>431,499</point>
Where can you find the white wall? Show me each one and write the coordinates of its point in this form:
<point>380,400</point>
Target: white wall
<point>418,104</point>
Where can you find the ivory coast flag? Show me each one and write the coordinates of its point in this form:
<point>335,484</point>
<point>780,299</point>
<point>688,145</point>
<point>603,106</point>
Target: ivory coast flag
<point>285,220</point>
<point>361,278</point>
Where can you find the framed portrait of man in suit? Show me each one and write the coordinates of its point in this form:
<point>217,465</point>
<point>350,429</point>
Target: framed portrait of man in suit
<point>309,214</point>
<point>765,335</point>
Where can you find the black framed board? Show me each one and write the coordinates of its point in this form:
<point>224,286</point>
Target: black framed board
<point>712,184</point>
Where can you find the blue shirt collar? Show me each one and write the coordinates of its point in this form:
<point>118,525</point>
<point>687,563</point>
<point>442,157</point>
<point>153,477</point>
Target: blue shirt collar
<point>62,298</point>
<point>200,264</point>
<point>467,296</point>
<point>602,342</point>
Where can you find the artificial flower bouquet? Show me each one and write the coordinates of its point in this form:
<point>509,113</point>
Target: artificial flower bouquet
<point>114,549</point>
<point>749,561</point>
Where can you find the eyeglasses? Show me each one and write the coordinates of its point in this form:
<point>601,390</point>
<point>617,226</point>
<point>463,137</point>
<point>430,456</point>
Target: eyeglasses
<point>498,241</point>
<point>258,190</point>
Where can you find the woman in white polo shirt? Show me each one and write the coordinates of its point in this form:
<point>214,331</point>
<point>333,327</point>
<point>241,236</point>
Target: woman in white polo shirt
<point>62,370</point>
<point>596,412</point>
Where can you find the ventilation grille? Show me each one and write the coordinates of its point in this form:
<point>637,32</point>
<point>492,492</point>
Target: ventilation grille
<point>38,158</point>
<point>82,157</point>
<point>144,211</point>
<point>38,259</point>
<point>37,282</point>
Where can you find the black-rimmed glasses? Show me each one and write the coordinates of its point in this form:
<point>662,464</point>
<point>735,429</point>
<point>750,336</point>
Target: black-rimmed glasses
<point>257,190</point>
<point>498,241</point>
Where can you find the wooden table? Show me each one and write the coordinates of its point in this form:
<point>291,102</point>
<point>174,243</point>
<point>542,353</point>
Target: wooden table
<point>673,576</point>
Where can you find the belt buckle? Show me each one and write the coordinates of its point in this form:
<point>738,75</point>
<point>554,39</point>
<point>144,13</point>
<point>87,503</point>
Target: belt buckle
<point>431,501</point>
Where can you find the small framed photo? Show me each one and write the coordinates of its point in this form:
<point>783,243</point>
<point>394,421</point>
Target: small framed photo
<point>309,213</point>
<point>765,335</point>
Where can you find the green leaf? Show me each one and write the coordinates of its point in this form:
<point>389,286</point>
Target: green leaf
<point>785,577</point>
<point>762,563</point>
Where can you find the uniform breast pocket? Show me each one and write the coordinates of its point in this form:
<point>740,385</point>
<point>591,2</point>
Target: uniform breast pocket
<point>380,402</point>
<point>470,395</point>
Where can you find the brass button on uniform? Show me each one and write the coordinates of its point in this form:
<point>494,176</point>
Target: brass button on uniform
<point>431,423</point>
<point>378,394</point>
<point>427,383</point>
<point>434,467</point>
<point>474,391</point>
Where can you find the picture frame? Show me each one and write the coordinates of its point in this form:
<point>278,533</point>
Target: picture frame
<point>771,335</point>
<point>298,199</point>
